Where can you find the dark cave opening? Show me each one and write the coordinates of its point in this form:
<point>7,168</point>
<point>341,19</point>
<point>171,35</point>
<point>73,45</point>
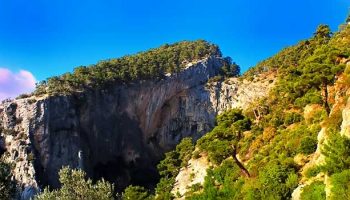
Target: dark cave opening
<point>123,174</point>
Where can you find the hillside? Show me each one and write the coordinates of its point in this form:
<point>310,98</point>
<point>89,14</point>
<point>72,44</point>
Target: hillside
<point>178,122</point>
<point>293,143</point>
<point>114,129</point>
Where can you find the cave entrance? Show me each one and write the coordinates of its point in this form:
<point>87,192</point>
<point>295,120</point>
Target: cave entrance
<point>123,174</point>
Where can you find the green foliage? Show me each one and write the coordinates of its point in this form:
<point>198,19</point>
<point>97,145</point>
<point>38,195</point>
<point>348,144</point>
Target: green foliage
<point>152,64</point>
<point>323,34</point>
<point>337,154</point>
<point>7,185</point>
<point>340,185</point>
<point>230,69</point>
<point>222,141</point>
<point>170,166</point>
<point>308,145</point>
<point>185,149</point>
<point>76,187</point>
<point>164,187</point>
<point>314,191</point>
<point>277,181</point>
<point>136,193</point>
<point>279,132</point>
<point>312,96</point>
<point>292,117</point>
<point>312,171</point>
<point>223,182</point>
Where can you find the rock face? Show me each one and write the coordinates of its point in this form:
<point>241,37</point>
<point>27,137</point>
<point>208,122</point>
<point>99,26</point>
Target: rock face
<point>194,173</point>
<point>239,93</point>
<point>345,127</point>
<point>119,133</point>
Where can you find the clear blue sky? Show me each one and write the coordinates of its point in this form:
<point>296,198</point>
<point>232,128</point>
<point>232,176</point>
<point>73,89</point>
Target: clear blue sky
<point>50,37</point>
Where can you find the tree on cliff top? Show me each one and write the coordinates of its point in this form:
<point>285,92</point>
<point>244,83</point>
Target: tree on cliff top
<point>151,64</point>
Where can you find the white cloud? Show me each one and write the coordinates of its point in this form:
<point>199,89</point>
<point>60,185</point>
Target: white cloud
<point>13,84</point>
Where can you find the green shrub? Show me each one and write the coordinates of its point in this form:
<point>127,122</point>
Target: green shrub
<point>311,97</point>
<point>136,193</point>
<point>223,182</point>
<point>76,186</point>
<point>196,154</point>
<point>170,166</point>
<point>312,171</point>
<point>277,181</point>
<point>308,145</point>
<point>337,154</point>
<point>292,117</point>
<point>314,191</point>
<point>340,185</point>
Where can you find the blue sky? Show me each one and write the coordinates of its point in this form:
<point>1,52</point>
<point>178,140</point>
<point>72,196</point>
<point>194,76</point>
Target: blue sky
<point>52,37</point>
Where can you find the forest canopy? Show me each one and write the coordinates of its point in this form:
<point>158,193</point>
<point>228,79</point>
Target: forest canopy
<point>151,64</point>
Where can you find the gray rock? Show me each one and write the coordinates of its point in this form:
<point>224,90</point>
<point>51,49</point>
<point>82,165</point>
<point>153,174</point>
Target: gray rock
<point>123,131</point>
<point>29,193</point>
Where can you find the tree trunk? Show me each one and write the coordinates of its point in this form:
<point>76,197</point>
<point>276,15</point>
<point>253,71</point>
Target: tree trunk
<point>240,165</point>
<point>325,98</point>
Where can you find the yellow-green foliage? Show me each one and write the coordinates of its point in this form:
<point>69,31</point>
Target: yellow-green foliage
<point>340,185</point>
<point>270,143</point>
<point>136,193</point>
<point>314,191</point>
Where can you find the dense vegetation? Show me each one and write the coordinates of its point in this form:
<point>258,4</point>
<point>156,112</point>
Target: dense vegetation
<point>269,136</point>
<point>152,64</point>
<point>75,186</point>
<point>259,153</point>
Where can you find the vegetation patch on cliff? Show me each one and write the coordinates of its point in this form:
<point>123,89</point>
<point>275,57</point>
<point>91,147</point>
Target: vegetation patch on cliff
<point>152,64</point>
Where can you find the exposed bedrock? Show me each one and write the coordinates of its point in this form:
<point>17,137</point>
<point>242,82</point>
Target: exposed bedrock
<point>119,133</point>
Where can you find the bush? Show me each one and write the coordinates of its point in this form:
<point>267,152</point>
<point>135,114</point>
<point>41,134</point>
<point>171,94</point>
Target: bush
<point>314,191</point>
<point>308,145</point>
<point>292,117</point>
<point>223,182</point>
<point>312,171</point>
<point>311,97</point>
<point>136,193</point>
<point>337,154</point>
<point>277,181</point>
<point>340,185</point>
<point>76,186</point>
<point>22,96</point>
<point>170,167</point>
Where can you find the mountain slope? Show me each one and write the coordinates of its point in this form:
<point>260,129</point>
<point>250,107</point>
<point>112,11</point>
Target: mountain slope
<point>115,129</point>
<point>288,139</point>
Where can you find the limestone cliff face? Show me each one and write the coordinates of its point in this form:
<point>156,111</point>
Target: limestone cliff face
<point>232,93</point>
<point>119,133</point>
<point>240,93</point>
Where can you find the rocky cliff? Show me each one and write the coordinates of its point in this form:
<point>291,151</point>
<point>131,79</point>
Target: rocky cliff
<point>119,133</point>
